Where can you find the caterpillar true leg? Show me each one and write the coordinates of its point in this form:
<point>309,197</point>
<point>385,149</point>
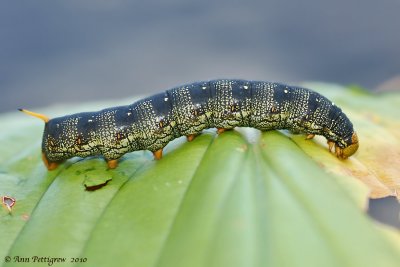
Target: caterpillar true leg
<point>49,165</point>
<point>310,136</point>
<point>331,145</point>
<point>338,151</point>
<point>190,137</point>
<point>221,130</point>
<point>158,154</point>
<point>112,164</point>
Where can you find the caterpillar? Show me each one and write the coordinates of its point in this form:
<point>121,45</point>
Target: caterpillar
<point>151,123</point>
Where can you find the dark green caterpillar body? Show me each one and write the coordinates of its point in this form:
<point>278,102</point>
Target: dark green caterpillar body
<point>151,123</point>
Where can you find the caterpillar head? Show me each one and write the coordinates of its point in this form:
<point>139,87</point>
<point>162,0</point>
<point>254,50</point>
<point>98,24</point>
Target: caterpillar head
<point>352,146</point>
<point>346,147</point>
<point>49,164</point>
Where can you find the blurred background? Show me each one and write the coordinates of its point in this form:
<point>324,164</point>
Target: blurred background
<point>83,50</point>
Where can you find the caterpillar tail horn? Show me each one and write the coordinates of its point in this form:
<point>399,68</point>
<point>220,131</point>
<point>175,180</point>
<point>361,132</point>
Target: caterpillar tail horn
<point>34,114</point>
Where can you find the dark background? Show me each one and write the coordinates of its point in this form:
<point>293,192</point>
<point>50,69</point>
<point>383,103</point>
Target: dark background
<point>70,51</point>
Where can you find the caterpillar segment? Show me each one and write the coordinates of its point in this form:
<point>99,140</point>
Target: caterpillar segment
<point>151,123</point>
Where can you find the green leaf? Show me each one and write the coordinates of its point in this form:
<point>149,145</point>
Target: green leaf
<point>242,198</point>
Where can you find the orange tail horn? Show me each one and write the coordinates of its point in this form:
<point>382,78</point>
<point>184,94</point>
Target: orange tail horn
<point>37,115</point>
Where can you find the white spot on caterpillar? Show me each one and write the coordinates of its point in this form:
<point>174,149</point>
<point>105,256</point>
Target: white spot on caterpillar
<point>204,87</point>
<point>166,99</point>
<point>333,104</point>
<point>245,87</point>
<point>286,91</point>
<point>90,120</point>
<point>129,113</point>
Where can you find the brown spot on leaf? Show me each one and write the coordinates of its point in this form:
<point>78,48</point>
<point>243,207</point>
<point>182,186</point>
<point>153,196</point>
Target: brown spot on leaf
<point>97,186</point>
<point>25,217</point>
